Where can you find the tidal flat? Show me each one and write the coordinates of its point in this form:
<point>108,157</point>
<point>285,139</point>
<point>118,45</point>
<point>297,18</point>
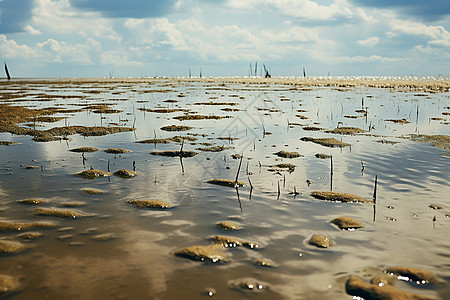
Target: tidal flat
<point>70,228</point>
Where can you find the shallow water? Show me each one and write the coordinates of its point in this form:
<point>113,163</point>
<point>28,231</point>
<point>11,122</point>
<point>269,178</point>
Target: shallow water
<point>137,263</point>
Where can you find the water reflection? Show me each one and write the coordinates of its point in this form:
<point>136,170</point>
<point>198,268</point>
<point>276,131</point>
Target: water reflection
<point>274,207</point>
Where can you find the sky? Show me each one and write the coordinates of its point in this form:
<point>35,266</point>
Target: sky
<point>145,38</point>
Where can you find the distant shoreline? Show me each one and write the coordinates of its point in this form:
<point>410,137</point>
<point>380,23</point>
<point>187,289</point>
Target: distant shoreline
<point>405,83</point>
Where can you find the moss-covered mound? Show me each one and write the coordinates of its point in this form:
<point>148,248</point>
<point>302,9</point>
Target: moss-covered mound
<point>339,197</point>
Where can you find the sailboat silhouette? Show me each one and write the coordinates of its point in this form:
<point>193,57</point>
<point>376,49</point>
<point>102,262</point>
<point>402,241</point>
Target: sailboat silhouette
<point>7,72</point>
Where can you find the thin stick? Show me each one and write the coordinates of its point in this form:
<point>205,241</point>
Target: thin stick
<point>182,143</point>
<point>278,197</point>
<point>375,190</point>
<point>375,198</point>
<point>239,169</point>
<point>434,222</point>
<point>108,166</point>
<point>331,174</point>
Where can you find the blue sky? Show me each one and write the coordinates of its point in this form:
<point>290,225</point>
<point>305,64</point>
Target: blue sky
<point>98,38</point>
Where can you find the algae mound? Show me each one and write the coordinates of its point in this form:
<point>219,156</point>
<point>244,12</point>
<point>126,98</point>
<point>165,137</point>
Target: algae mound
<point>232,242</point>
<point>9,285</point>
<point>32,201</point>
<point>11,247</point>
<point>7,143</point>
<point>320,241</point>
<point>29,235</point>
<point>346,130</point>
<point>287,154</point>
<point>327,142</point>
<point>60,213</point>
<point>124,173</point>
<point>174,153</point>
<point>226,182</point>
<point>322,155</point>
<point>248,285</point>
<point>117,151</point>
<point>17,226</point>
<point>150,204</point>
<point>84,149</point>
<point>347,223</point>
<point>211,253</point>
<point>229,225</point>
<point>339,197</point>
<point>412,274</point>
<point>176,128</point>
<point>358,287</point>
<point>91,191</point>
<point>92,174</point>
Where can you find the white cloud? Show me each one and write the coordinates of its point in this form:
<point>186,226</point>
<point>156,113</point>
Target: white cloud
<point>32,30</point>
<point>60,52</point>
<point>438,35</point>
<point>11,49</point>
<point>372,58</point>
<point>58,17</point>
<point>304,9</point>
<point>369,42</point>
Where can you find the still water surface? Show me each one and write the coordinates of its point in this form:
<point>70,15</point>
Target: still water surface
<point>138,263</point>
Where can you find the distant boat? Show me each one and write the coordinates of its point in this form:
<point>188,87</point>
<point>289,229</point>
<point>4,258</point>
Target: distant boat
<point>7,72</point>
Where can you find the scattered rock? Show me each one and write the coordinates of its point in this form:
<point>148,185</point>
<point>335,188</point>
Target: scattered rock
<point>84,149</point>
<point>150,204</point>
<point>339,197</point>
<point>60,213</point>
<point>357,287</point>
<point>124,173</point>
<point>92,174</point>
<point>327,142</point>
<point>320,241</point>
<point>286,154</point>
<point>211,253</point>
<point>347,223</point>
<point>229,225</point>
<point>32,201</point>
<point>11,247</point>
<point>117,151</point>
<point>411,274</point>
<point>226,182</point>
